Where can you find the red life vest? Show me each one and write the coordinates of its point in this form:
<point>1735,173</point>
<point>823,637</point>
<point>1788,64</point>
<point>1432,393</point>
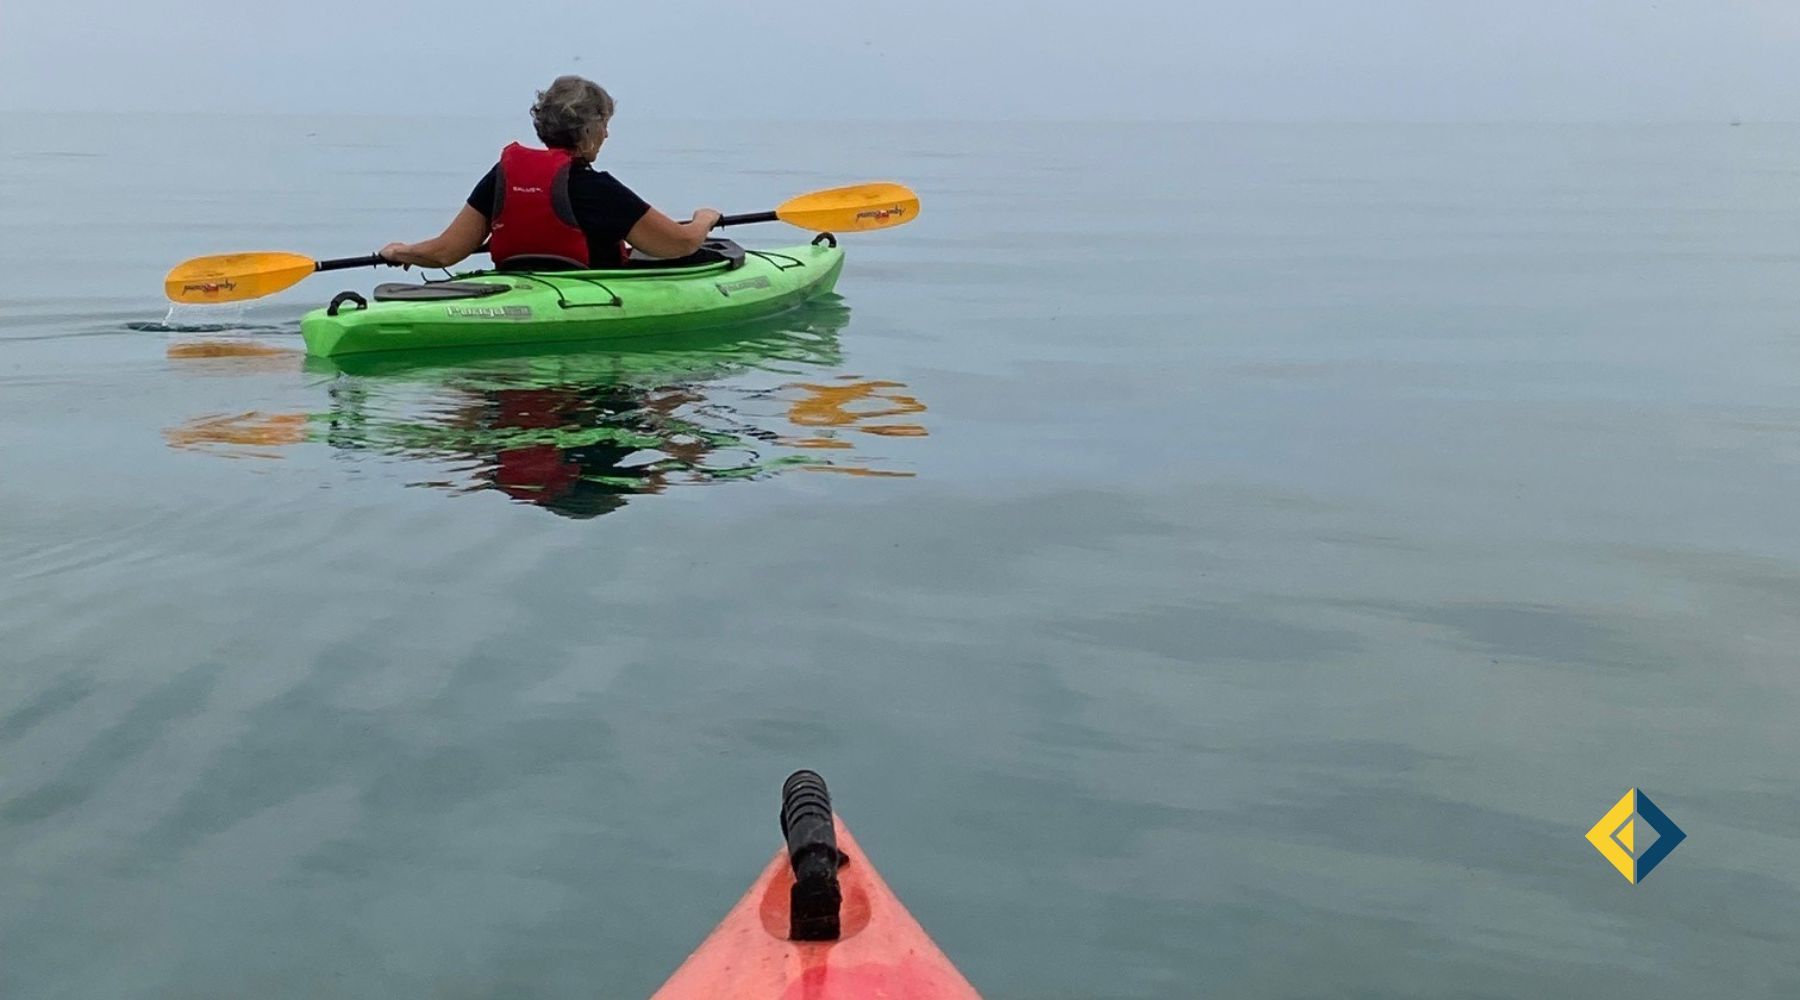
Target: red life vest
<point>532,214</point>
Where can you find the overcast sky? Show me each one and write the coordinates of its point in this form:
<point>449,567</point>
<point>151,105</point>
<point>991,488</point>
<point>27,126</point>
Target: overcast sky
<point>966,59</point>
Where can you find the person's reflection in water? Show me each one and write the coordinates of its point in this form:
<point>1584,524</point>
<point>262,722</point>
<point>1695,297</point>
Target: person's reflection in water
<point>583,480</point>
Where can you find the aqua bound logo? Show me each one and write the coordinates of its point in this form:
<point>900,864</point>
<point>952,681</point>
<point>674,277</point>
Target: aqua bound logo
<point>726,288</point>
<point>489,312</point>
<point>210,287</point>
<point>882,214</point>
<point>1635,836</point>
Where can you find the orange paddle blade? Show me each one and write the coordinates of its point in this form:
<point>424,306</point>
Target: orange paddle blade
<point>883,952</point>
<point>852,209</point>
<point>234,277</point>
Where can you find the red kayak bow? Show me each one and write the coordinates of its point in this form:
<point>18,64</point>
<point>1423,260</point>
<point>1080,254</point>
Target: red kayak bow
<point>818,924</point>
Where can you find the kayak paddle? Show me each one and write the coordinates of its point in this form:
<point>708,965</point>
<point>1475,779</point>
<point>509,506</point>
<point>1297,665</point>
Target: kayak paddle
<point>854,209</point>
<point>236,277</point>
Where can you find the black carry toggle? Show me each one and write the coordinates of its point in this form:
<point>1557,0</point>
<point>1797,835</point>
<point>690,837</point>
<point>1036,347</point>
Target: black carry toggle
<point>824,238</point>
<point>342,297</point>
<point>813,851</point>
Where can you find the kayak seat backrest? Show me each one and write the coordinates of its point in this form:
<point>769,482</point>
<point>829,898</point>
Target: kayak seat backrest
<point>710,252</point>
<point>539,262</point>
<point>400,292</point>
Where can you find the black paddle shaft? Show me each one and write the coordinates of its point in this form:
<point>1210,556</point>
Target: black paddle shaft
<point>746,219</point>
<point>812,850</point>
<point>339,263</point>
<point>375,259</point>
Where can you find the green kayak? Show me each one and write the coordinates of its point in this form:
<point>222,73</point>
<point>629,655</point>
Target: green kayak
<point>490,308</point>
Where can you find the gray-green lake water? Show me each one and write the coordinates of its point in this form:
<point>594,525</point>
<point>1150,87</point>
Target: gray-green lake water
<point>1207,561</point>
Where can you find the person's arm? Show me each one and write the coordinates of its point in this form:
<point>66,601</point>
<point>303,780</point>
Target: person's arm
<point>660,236</point>
<point>448,248</point>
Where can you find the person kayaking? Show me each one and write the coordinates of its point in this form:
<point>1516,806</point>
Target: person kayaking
<point>544,209</point>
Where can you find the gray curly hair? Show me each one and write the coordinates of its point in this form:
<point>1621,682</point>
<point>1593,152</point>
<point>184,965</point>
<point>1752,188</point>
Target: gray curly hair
<point>570,111</point>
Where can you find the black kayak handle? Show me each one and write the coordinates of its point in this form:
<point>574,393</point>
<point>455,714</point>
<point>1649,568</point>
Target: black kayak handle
<point>812,850</point>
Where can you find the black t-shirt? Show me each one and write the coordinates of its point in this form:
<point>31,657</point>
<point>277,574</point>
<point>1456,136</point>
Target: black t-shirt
<point>605,208</point>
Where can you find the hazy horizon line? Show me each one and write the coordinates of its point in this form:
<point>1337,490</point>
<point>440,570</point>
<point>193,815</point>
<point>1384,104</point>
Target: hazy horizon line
<point>890,121</point>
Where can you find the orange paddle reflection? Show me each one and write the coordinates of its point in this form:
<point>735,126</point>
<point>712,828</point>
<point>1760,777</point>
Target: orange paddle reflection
<point>851,404</point>
<point>187,349</point>
<point>235,357</point>
<point>240,435</point>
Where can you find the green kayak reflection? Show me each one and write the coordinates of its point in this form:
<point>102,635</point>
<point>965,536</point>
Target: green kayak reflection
<point>580,432</point>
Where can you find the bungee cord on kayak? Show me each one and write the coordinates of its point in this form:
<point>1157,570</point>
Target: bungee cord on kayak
<point>612,298</point>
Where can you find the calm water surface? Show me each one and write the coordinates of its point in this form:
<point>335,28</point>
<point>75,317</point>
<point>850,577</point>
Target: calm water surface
<point>1206,560</point>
